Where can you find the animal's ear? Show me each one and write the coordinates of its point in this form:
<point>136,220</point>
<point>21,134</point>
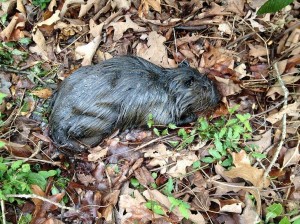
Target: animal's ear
<point>184,64</point>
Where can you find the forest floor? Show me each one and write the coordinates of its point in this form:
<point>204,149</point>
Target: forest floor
<point>237,165</point>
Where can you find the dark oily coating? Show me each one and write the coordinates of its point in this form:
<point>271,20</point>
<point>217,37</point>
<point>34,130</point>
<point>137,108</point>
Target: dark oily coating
<point>120,93</point>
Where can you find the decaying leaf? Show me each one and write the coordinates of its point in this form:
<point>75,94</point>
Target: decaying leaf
<point>243,169</point>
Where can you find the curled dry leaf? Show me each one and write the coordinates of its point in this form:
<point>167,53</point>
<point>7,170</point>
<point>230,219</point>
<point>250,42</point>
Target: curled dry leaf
<point>135,208</point>
<point>97,153</point>
<point>12,31</point>
<point>179,170</point>
<point>257,50</point>
<point>42,93</point>
<point>66,5</point>
<point>84,8</point>
<point>121,27</point>
<point>87,51</point>
<point>243,169</point>
<point>291,157</point>
<point>121,4</point>
<point>145,6</point>
<point>53,19</point>
<point>290,109</point>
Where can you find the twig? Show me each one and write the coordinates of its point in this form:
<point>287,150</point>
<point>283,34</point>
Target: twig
<point>40,198</point>
<point>3,212</point>
<point>283,134</point>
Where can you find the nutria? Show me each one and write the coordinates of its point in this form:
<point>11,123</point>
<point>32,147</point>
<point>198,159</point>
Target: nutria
<point>120,93</point>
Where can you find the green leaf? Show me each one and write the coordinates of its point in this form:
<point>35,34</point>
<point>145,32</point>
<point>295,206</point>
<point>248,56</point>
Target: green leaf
<point>231,122</point>
<point>227,162</point>
<point>49,173</point>
<point>172,126</point>
<point>3,18</point>
<point>274,210</point>
<point>2,144</point>
<point>25,41</point>
<point>233,109</point>
<point>184,211</point>
<point>273,6</point>
<point>165,132</point>
<point>208,159</point>
<point>222,132</point>
<point>134,182</point>
<point>156,131</point>
<point>154,175</point>
<point>25,168</point>
<point>173,143</point>
<point>297,221</point>
<point>2,96</point>
<point>15,165</point>
<point>3,167</point>
<point>196,164</point>
<point>169,187</point>
<point>150,121</point>
<point>284,220</point>
<point>215,154</point>
<point>218,145</point>
<point>155,207</point>
<point>18,52</point>
<point>182,133</point>
<point>258,155</point>
<point>203,124</point>
<point>35,178</point>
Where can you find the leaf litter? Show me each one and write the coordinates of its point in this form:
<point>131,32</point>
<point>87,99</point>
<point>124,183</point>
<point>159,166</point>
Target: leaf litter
<point>114,182</point>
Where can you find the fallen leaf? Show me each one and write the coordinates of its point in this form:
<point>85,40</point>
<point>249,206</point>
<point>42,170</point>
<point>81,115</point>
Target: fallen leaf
<point>42,93</point>
<point>290,109</point>
<point>243,169</point>
<point>87,51</point>
<point>67,4</point>
<point>121,4</point>
<point>257,50</point>
<point>227,87</point>
<point>155,50</point>
<point>53,19</point>
<point>291,157</point>
<point>121,27</point>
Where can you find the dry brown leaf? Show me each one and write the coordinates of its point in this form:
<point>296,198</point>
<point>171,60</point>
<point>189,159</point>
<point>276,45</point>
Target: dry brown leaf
<point>251,16</point>
<point>21,7</point>
<point>135,208</point>
<point>97,153</point>
<point>145,6</point>
<point>143,176</point>
<point>160,156</point>
<point>163,200</point>
<point>227,86</point>
<point>263,142</point>
<point>42,93</point>
<point>236,6</point>
<point>40,41</point>
<point>257,50</point>
<point>121,4</point>
<point>243,169</point>
<point>6,33</point>
<point>66,5</point>
<point>84,8</point>
<point>51,5</point>
<point>121,27</point>
<point>291,157</point>
<point>179,170</point>
<point>290,109</point>
<point>53,19</point>
<point>249,214</point>
<point>95,30</point>
<point>155,51</point>
<point>8,6</point>
<point>87,51</point>
<point>225,28</point>
<point>230,205</point>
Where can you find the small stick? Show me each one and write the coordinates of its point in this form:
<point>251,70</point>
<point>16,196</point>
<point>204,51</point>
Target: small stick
<point>3,211</point>
<point>283,134</point>
<point>26,196</point>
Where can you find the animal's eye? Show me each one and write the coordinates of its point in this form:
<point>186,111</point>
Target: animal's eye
<point>190,82</point>
<point>205,88</point>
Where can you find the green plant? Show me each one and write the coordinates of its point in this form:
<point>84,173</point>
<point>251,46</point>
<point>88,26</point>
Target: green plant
<point>17,177</point>
<point>276,210</point>
<point>41,3</point>
<point>183,207</point>
<point>273,6</point>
